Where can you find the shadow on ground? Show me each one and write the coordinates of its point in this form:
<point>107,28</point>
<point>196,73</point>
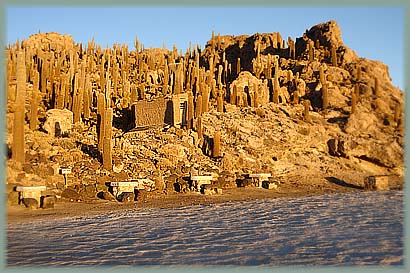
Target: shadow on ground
<point>342,183</point>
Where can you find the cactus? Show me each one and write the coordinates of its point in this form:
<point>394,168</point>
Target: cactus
<point>87,99</point>
<point>356,91</point>
<point>233,95</point>
<point>354,103</point>
<point>219,79</point>
<point>101,106</point>
<point>34,103</point>
<point>325,101</point>
<point>220,102</point>
<point>359,73</point>
<point>198,106</point>
<point>216,147</point>
<point>295,97</point>
<point>397,113</point>
<point>276,92</point>
<point>205,99</point>
<point>190,110</point>
<point>306,115</point>
<point>376,87</point>
<point>333,55</point>
<point>107,151</point>
<point>311,51</point>
<point>77,99</point>
<point>18,123</point>
<point>134,95</point>
<point>199,127</point>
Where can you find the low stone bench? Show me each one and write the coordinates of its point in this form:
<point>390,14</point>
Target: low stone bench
<point>30,192</point>
<point>259,178</point>
<point>199,180</point>
<point>120,187</point>
<point>377,182</point>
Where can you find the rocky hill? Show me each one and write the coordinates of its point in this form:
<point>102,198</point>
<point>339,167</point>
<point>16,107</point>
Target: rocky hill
<point>247,104</point>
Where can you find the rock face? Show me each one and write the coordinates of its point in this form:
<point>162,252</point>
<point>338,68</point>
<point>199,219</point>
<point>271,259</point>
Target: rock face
<point>58,122</point>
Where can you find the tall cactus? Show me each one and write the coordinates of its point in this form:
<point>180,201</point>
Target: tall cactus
<point>216,147</point>
<point>199,127</point>
<point>325,100</point>
<point>233,94</point>
<point>198,106</point>
<point>190,110</point>
<point>295,97</point>
<point>354,103</point>
<point>311,49</point>
<point>359,73</point>
<point>333,55</point>
<point>306,114</point>
<point>205,99</point>
<point>397,113</point>
<point>107,149</point>
<point>34,102</point>
<point>18,124</point>
<point>101,106</point>
<point>87,99</point>
<point>220,102</point>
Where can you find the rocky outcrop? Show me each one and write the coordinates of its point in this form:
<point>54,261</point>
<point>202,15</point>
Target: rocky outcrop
<point>266,98</point>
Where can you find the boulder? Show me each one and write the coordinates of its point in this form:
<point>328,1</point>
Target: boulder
<point>30,203</point>
<point>58,122</point>
<point>48,202</point>
<point>141,196</point>
<point>127,197</point>
<point>13,198</point>
<point>71,194</point>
